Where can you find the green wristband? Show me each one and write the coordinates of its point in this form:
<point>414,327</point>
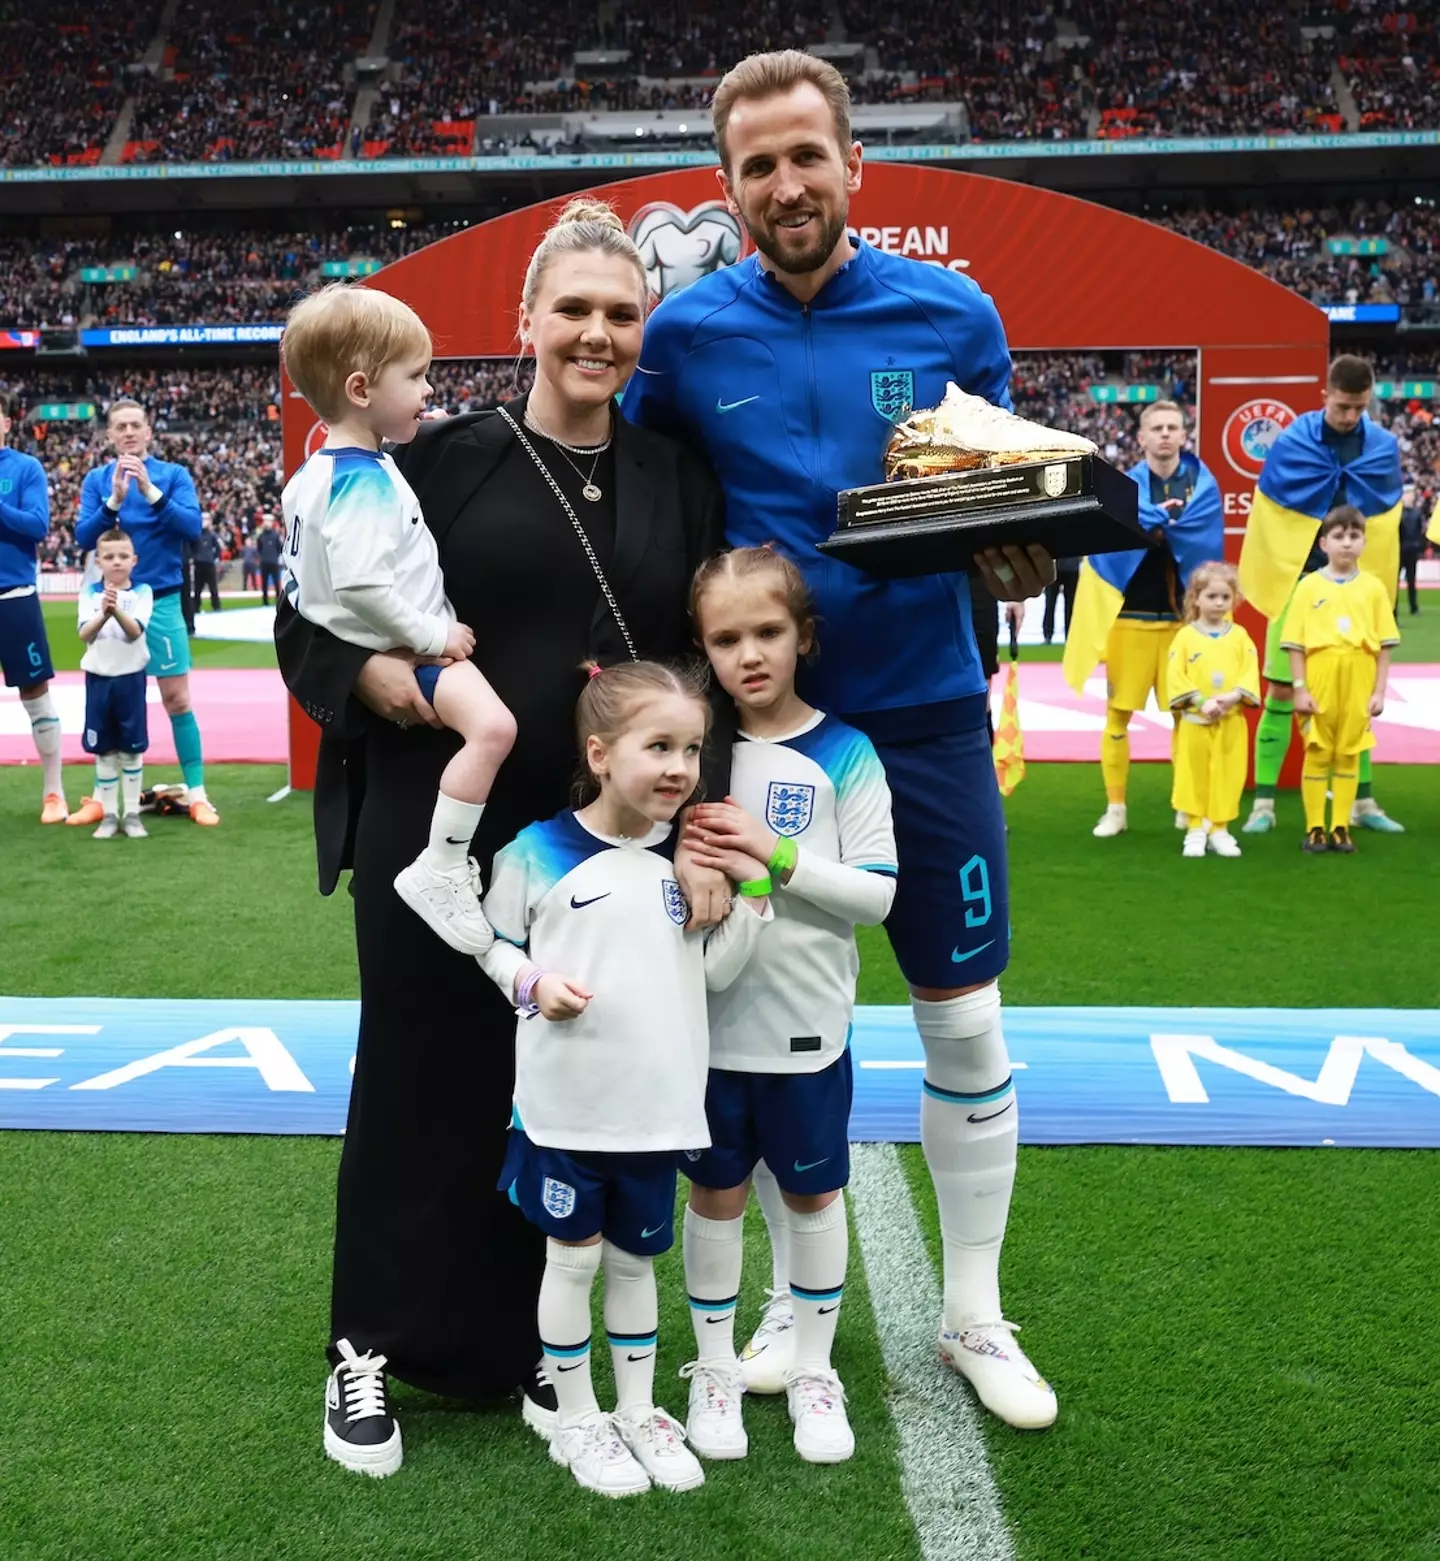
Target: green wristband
<point>784,856</point>
<point>756,889</point>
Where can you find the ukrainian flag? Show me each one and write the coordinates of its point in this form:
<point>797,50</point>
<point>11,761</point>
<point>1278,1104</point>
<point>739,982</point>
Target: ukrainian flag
<point>1297,487</point>
<point>1197,537</point>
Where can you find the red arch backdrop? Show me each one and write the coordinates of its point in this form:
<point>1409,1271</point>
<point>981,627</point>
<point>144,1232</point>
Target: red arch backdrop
<point>1066,275</point>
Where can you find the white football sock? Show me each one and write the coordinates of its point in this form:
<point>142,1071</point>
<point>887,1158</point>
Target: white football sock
<point>452,828</point>
<point>714,1256</point>
<point>968,1127</point>
<point>772,1206</point>
<point>107,781</point>
<point>132,773</point>
<point>45,729</point>
<point>819,1251</point>
<point>631,1321</point>
<point>564,1318</point>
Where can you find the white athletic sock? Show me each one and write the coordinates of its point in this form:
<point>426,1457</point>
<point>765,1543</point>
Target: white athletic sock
<point>632,1316</point>
<point>819,1251</point>
<point>195,794</point>
<point>45,729</point>
<point>968,1127</point>
<point>132,773</point>
<point>564,1318</point>
<point>772,1206</point>
<point>452,828</point>
<point>714,1256</point>
<point>107,781</point>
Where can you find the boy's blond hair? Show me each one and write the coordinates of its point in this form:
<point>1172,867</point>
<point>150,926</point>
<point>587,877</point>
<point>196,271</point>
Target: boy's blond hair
<point>342,330</point>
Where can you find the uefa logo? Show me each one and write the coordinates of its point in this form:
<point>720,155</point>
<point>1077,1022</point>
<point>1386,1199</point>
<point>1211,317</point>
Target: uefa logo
<point>1251,430</point>
<point>679,247</point>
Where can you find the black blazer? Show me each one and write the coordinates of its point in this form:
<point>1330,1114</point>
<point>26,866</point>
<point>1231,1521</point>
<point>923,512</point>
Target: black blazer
<point>660,487</point>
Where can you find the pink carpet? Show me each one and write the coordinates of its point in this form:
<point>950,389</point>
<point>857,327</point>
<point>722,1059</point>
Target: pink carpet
<point>241,714</point>
<point>242,718</point>
<point>1060,724</point>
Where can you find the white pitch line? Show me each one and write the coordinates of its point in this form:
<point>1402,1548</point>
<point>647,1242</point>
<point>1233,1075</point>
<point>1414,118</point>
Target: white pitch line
<point>944,1472</point>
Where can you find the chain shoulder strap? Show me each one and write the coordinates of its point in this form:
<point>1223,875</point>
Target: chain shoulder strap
<point>569,509</point>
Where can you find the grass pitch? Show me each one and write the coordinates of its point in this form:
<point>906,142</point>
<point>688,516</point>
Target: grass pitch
<point>1242,1341</point>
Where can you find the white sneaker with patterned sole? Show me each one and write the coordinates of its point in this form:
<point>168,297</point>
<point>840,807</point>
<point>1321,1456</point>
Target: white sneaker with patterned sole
<point>770,1354</point>
<point>817,1410</point>
<point>658,1443</point>
<point>595,1453</point>
<point>714,1423</point>
<point>1005,1381</point>
<point>449,903</point>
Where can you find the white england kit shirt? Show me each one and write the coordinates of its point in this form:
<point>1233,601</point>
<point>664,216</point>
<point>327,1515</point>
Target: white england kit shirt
<point>629,1074</point>
<point>823,787</point>
<point>359,558</point>
<point>112,654</point>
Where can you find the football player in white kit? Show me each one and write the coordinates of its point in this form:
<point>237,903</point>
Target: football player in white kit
<point>610,989</point>
<point>809,798</point>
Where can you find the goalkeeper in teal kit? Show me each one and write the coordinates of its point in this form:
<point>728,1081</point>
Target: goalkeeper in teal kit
<point>788,372</point>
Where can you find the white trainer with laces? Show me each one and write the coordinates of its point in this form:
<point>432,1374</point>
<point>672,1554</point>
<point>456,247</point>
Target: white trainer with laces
<point>1115,820</point>
<point>1222,843</point>
<point>1194,844</point>
<point>817,1409</point>
<point>595,1453</point>
<point>1005,1381</point>
<point>714,1425</point>
<point>770,1354</point>
<point>109,828</point>
<point>658,1443</point>
<point>449,903</point>
<point>132,827</point>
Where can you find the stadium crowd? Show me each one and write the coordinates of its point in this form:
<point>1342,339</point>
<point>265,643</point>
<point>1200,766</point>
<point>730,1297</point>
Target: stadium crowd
<point>234,277</point>
<point>278,81</point>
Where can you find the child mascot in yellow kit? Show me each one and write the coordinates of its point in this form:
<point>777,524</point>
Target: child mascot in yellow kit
<point>1212,670</point>
<point>1339,633</point>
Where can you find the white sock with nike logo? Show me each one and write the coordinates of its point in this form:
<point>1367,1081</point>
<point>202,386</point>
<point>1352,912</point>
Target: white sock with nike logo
<point>564,1318</point>
<point>968,1128</point>
<point>819,1253</point>
<point>632,1315</point>
<point>452,828</point>
<point>714,1256</point>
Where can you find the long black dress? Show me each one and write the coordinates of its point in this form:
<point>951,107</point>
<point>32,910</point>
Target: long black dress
<point>433,1267</point>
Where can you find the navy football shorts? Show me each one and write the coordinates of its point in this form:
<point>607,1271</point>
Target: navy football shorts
<point>115,714</point>
<point>427,677</point>
<point>950,923</point>
<point>797,1123</point>
<point>24,650</point>
<point>575,1194</point>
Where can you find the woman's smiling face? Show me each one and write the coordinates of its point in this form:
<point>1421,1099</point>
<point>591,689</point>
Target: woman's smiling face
<point>586,325</point>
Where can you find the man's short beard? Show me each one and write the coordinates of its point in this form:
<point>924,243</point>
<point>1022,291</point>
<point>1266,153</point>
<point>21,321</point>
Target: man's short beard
<point>808,260</point>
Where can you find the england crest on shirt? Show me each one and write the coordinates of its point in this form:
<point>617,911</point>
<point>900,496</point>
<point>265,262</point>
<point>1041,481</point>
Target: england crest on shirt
<point>789,806</point>
<point>558,1198</point>
<point>675,904</point>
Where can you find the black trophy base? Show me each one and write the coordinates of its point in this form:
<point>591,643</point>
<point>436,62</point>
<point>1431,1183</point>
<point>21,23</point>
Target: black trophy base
<point>935,525</point>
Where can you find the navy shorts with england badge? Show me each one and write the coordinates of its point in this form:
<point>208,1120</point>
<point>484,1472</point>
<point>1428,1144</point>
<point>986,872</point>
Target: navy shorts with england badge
<point>950,923</point>
<point>115,719</point>
<point>797,1123</point>
<point>575,1194</point>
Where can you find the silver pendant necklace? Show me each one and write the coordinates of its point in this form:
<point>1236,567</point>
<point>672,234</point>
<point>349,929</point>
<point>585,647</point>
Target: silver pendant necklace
<point>591,488</point>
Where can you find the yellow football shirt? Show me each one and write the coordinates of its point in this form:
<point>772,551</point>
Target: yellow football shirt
<point>1331,614</point>
<point>1202,665</point>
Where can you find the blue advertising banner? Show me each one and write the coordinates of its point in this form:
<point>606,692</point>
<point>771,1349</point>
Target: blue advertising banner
<point>1357,1078</point>
<point>968,152</point>
<point>1361,314</point>
<point>179,335</point>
